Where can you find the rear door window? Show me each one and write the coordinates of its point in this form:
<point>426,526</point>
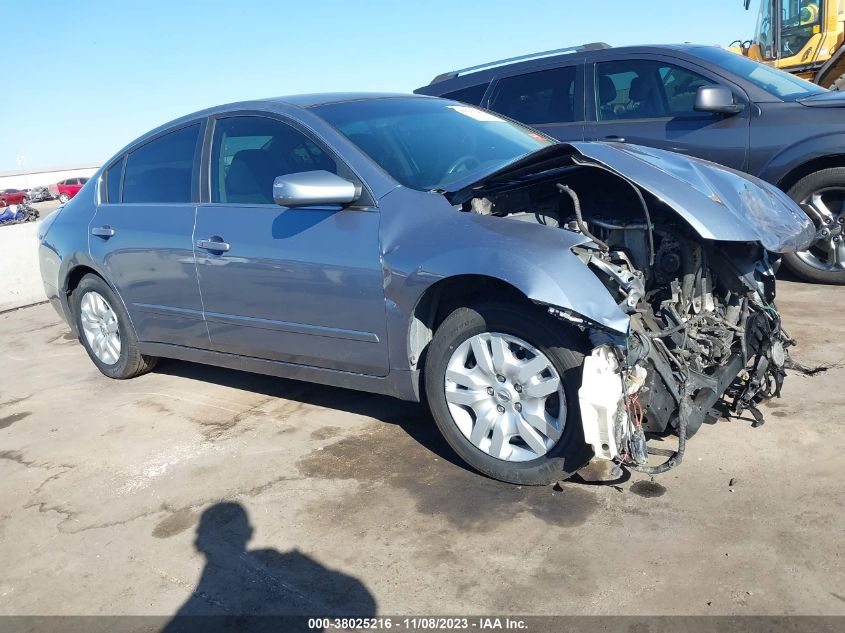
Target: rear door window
<point>162,170</point>
<point>547,96</point>
<point>472,95</point>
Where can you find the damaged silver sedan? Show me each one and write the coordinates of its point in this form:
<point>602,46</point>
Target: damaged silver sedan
<point>551,302</point>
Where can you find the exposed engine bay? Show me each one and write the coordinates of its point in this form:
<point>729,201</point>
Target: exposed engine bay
<point>704,337</point>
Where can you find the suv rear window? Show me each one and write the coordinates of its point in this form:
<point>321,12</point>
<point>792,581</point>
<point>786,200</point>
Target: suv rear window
<point>472,95</point>
<point>547,96</point>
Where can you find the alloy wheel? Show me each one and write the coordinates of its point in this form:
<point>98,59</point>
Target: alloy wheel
<point>100,327</point>
<point>505,396</point>
<point>826,208</point>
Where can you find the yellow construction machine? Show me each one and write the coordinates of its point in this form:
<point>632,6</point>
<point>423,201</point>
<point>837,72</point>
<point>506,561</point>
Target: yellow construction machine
<point>803,37</point>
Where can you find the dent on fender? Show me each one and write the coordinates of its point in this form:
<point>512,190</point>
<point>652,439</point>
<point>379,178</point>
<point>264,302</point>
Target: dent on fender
<point>536,260</point>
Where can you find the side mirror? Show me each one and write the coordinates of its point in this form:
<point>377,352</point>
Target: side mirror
<point>310,188</point>
<point>717,99</point>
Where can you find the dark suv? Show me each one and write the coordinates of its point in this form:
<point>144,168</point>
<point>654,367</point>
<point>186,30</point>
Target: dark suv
<point>698,100</point>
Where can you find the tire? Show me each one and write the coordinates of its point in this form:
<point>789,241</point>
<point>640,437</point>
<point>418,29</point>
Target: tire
<point>555,343</point>
<point>815,264</point>
<point>63,198</point>
<point>128,361</point>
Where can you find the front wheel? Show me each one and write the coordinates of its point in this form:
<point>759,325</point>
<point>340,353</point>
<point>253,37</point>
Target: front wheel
<point>502,384</point>
<point>63,198</point>
<point>106,332</point>
<point>822,196</point>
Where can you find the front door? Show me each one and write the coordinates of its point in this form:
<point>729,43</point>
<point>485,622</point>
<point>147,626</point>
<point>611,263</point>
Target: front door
<point>651,102</point>
<point>142,235</point>
<point>299,285</point>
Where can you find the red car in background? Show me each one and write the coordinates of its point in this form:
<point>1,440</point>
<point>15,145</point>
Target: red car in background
<point>67,188</point>
<point>13,196</point>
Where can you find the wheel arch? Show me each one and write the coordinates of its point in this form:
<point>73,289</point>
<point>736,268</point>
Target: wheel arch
<point>443,297</point>
<point>809,167</point>
<point>74,275</point>
<point>794,162</point>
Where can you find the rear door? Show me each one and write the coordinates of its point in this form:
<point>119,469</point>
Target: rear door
<point>551,100</point>
<point>142,235</point>
<point>300,285</point>
<point>649,100</point>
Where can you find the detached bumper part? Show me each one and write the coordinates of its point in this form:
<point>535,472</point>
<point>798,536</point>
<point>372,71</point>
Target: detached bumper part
<point>602,399</point>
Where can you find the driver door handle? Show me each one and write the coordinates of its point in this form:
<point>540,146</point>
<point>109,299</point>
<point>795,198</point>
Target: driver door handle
<point>614,138</point>
<point>215,244</point>
<point>104,231</point>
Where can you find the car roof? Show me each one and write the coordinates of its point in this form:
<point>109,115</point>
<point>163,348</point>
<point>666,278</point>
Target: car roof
<point>301,101</point>
<point>325,98</point>
<point>269,104</point>
<point>485,72</point>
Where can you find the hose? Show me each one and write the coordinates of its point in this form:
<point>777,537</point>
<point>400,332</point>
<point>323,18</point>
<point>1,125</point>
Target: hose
<point>646,212</point>
<point>580,219</point>
<point>677,457</point>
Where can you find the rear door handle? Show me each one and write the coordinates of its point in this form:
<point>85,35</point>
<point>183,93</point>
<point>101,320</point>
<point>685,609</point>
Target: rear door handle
<point>103,231</point>
<point>615,139</point>
<point>215,244</point>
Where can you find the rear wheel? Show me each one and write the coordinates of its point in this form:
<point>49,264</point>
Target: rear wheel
<point>502,384</point>
<point>63,198</point>
<point>106,332</point>
<point>822,196</point>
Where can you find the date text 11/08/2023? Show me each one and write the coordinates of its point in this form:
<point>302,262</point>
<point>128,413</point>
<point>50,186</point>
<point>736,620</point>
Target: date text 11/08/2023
<point>419,624</point>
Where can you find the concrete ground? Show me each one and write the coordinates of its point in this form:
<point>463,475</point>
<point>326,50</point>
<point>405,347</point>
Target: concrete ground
<point>195,489</point>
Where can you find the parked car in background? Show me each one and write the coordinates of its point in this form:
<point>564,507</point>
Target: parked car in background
<point>696,100</point>
<point>13,196</point>
<point>548,300</point>
<point>39,194</point>
<point>67,189</point>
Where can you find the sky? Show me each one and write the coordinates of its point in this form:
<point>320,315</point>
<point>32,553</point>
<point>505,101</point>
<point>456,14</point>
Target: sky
<point>81,79</point>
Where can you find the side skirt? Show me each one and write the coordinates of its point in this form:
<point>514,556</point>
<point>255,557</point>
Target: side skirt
<point>399,384</point>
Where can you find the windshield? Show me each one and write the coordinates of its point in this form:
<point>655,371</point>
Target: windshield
<point>783,85</point>
<point>425,144</point>
<point>800,20</point>
<point>764,34</point>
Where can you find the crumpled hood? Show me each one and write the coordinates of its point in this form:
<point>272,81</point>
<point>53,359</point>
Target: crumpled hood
<point>718,203</point>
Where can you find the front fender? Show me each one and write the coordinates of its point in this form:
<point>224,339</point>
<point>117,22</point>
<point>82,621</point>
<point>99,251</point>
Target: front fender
<point>547,274</point>
<point>425,240</point>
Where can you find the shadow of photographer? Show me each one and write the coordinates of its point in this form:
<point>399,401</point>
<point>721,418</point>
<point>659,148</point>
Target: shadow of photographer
<point>262,589</point>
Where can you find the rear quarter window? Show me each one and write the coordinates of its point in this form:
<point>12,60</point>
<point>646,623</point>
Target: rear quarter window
<point>114,175</point>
